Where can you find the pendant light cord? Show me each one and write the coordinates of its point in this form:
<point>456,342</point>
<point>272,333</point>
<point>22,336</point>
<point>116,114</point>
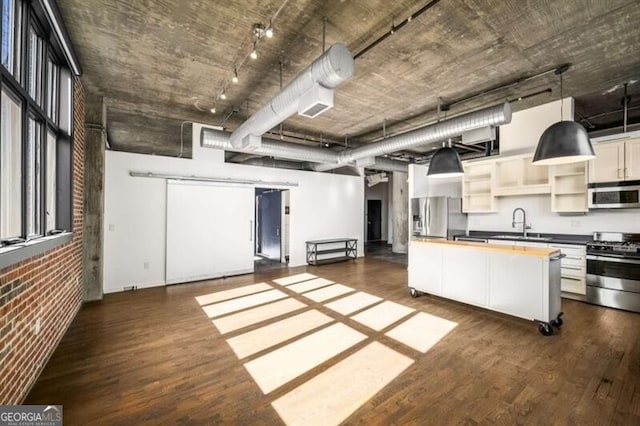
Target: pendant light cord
<point>561,101</point>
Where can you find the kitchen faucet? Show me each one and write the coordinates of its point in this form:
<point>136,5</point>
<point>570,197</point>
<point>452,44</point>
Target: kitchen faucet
<point>524,221</point>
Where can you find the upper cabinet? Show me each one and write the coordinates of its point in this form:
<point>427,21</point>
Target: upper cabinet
<point>477,187</point>
<point>632,159</point>
<point>615,161</point>
<point>516,175</point>
<point>569,187</point>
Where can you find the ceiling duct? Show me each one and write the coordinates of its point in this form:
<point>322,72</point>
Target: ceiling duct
<point>483,134</point>
<point>492,116</point>
<point>309,94</point>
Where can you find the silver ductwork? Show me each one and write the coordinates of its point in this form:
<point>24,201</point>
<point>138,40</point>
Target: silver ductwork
<point>368,155</point>
<point>219,139</point>
<point>273,163</point>
<point>332,68</point>
<point>492,116</point>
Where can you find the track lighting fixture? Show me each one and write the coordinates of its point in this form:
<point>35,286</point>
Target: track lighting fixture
<point>213,110</point>
<point>223,96</point>
<point>269,32</point>
<point>234,79</point>
<point>254,54</point>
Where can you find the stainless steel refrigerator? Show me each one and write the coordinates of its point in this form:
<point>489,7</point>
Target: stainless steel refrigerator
<point>439,217</point>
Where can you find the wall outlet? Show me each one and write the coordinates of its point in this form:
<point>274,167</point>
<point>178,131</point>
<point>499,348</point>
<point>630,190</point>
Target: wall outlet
<point>36,327</point>
<point>112,227</point>
<point>145,265</point>
<point>575,224</point>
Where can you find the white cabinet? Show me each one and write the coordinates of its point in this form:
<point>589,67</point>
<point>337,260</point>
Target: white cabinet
<point>569,188</point>
<point>425,268</point>
<point>615,161</point>
<point>632,159</point>
<point>521,296</point>
<point>519,282</point>
<point>517,175</point>
<point>573,268</point>
<point>477,187</point>
<point>458,278</point>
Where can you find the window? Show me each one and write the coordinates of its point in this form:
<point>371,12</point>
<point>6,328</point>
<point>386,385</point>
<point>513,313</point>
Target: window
<point>50,207</point>
<point>36,126</point>
<point>11,36</point>
<point>34,178</point>
<point>52,89</point>
<point>10,165</point>
<point>35,80</point>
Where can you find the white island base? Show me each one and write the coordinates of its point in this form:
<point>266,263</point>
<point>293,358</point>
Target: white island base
<point>514,280</point>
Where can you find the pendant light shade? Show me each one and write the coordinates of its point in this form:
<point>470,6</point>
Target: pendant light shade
<point>445,163</point>
<point>563,142</point>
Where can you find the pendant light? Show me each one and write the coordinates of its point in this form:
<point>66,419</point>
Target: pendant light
<point>445,163</point>
<point>565,141</point>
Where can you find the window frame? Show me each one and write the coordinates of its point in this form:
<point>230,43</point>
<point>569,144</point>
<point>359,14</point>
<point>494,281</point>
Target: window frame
<point>47,112</point>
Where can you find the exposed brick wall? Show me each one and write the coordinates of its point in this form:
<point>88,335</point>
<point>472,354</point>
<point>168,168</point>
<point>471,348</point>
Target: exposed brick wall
<point>48,287</point>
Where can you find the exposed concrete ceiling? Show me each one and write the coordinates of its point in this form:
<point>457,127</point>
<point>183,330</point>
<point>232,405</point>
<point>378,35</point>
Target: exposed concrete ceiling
<point>159,63</point>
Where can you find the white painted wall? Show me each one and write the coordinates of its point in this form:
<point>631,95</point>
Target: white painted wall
<point>542,220</point>
<point>322,206</point>
<point>378,192</point>
<point>526,127</point>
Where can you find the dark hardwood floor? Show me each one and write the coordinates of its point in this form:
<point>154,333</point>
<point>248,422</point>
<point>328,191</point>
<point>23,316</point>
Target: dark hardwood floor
<point>153,356</point>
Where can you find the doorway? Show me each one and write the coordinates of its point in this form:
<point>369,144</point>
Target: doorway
<point>374,220</point>
<point>271,240</point>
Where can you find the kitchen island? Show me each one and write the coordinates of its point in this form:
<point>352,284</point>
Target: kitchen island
<point>515,280</point>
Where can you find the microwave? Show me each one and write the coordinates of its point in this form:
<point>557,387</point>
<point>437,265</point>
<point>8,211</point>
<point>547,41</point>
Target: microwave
<point>614,195</point>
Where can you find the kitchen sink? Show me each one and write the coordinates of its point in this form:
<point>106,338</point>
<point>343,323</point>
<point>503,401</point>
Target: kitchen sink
<point>521,237</point>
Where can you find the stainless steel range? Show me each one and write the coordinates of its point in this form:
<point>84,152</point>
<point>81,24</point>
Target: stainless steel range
<point>613,270</point>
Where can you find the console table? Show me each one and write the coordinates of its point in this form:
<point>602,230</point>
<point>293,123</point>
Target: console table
<point>331,250</point>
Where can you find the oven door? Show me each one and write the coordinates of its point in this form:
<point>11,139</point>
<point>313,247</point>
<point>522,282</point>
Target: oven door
<point>613,281</point>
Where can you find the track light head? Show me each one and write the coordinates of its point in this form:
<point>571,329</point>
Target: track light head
<point>213,110</point>
<point>234,79</point>
<point>223,96</point>
<point>269,32</point>
<point>254,54</point>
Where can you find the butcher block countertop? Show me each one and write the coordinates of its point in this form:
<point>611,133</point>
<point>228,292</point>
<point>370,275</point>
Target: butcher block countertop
<point>509,249</point>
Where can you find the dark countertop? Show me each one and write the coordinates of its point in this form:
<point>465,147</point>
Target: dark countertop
<point>537,237</point>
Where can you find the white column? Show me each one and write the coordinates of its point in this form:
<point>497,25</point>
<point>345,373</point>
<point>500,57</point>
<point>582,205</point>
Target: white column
<point>400,212</point>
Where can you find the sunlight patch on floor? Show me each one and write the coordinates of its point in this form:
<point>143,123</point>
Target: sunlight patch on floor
<point>309,285</point>
<point>284,349</point>
<point>294,279</point>
<point>422,331</point>
<point>230,294</point>
<point>382,315</point>
<point>270,335</point>
<point>284,364</point>
<point>349,304</point>
<point>257,315</point>
<point>333,395</point>
<point>327,293</point>
<point>221,308</point>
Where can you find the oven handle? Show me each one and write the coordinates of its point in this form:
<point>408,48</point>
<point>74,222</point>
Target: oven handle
<point>613,259</point>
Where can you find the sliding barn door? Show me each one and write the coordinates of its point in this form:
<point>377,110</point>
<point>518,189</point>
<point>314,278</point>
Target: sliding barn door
<point>209,231</point>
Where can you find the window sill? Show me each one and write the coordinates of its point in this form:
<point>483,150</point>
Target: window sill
<point>10,255</point>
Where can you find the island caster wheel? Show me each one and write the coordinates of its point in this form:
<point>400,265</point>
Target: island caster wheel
<point>545,329</point>
<point>558,321</point>
<point>413,292</point>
